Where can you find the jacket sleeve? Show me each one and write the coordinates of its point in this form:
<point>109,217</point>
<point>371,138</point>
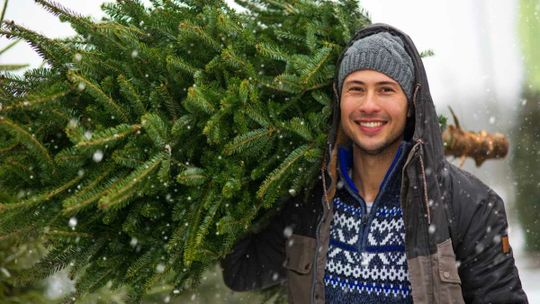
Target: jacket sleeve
<point>487,269</point>
<point>256,261</point>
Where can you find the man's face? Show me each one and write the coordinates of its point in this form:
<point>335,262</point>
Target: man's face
<point>373,111</point>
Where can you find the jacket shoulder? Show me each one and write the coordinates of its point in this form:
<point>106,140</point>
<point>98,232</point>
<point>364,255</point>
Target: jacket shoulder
<point>474,206</point>
<point>480,227</point>
<point>466,186</point>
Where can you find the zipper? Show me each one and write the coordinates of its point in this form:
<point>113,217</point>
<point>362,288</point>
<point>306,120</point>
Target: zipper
<point>365,216</point>
<point>367,219</point>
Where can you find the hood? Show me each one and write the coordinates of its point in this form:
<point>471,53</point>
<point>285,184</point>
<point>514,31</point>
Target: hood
<point>426,132</point>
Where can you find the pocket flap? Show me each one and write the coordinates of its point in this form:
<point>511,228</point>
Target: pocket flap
<point>300,251</point>
<point>448,271</point>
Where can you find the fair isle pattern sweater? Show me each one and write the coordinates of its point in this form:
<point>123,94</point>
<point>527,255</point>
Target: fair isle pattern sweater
<point>366,261</point>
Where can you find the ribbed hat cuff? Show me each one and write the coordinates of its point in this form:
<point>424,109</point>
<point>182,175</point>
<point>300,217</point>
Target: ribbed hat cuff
<point>378,61</point>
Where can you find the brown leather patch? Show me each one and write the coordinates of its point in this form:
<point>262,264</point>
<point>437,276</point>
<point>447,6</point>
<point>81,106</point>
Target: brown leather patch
<point>505,244</point>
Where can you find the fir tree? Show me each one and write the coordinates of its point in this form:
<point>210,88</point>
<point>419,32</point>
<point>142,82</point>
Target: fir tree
<point>16,255</point>
<point>154,139</point>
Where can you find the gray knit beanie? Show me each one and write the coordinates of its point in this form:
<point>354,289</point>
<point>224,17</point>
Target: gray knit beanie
<point>382,52</point>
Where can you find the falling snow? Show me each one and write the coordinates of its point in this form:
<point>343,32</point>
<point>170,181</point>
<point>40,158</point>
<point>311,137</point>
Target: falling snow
<point>72,222</point>
<point>98,156</point>
<point>288,231</point>
<point>160,268</point>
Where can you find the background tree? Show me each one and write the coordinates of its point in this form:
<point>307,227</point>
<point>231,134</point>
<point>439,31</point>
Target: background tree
<point>526,160</point>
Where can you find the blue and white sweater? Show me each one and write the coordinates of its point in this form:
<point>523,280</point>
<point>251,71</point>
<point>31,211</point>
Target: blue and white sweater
<point>366,261</point>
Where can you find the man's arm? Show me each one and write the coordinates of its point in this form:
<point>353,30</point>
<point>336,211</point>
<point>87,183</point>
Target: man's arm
<point>256,261</point>
<point>487,269</point>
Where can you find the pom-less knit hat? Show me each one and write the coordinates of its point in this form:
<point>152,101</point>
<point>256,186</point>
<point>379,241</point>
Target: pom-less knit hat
<point>381,52</point>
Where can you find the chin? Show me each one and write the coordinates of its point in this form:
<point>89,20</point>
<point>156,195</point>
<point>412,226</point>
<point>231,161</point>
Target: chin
<point>372,150</point>
<point>377,148</point>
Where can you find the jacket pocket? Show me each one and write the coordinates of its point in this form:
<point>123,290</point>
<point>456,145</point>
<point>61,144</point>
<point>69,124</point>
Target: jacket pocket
<point>450,283</point>
<point>300,251</point>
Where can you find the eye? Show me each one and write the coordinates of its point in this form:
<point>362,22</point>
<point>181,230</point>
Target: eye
<point>356,89</point>
<point>387,90</point>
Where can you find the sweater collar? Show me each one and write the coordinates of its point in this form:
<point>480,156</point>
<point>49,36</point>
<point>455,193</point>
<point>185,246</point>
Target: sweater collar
<point>345,161</point>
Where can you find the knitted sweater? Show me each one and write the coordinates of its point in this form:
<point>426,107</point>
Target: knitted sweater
<point>366,261</point>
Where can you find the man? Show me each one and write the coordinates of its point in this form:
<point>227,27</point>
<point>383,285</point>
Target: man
<point>397,222</point>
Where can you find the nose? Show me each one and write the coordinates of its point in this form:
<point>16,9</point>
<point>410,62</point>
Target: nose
<point>369,103</point>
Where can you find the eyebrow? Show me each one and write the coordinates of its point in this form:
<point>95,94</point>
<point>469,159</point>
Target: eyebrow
<point>377,83</point>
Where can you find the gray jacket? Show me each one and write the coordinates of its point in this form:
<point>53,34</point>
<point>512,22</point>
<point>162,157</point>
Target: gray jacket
<point>466,259</point>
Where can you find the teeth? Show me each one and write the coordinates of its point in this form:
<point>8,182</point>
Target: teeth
<point>371,124</point>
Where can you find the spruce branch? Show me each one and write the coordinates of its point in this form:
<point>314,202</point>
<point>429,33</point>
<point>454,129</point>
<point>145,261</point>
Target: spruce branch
<point>156,129</point>
<point>207,222</point>
<point>60,11</point>
<point>257,115</point>
<point>199,33</point>
<point>95,91</point>
<point>198,229</point>
<point>129,92</point>
<point>38,198</point>
<point>4,9</point>
<point>255,138</point>
<point>284,168</point>
<point>314,67</point>
<point>107,136</point>
<point>88,193</point>
<point>28,140</point>
<point>32,102</point>
<point>272,51</point>
<point>117,196</point>
<point>191,176</point>
<point>197,102</point>
<point>178,64</point>
<point>298,126</point>
<point>50,49</point>
<point>8,145</point>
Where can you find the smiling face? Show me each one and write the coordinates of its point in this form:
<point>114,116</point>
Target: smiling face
<point>373,111</point>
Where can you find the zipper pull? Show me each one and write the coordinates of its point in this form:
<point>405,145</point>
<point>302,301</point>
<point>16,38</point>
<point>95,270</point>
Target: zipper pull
<point>364,219</point>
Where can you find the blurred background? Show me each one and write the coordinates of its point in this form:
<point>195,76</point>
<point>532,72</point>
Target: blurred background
<point>484,67</point>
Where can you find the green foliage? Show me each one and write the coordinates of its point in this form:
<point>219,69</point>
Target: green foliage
<point>526,163</point>
<point>155,138</point>
<point>15,261</point>
<point>18,255</point>
<point>529,29</point>
<point>526,131</point>
<point>443,122</point>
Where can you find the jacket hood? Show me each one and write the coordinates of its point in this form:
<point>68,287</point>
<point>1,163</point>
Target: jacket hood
<point>426,132</point>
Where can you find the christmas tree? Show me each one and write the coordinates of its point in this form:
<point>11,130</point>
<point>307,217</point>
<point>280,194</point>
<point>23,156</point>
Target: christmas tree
<point>17,256</point>
<point>154,139</point>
